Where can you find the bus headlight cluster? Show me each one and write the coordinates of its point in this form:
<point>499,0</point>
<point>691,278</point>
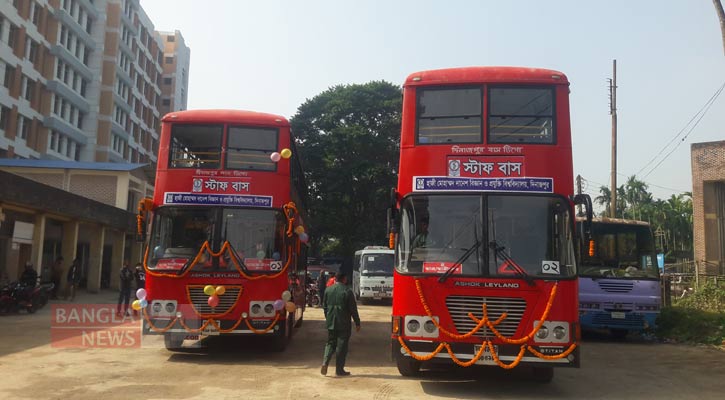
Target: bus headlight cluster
<point>261,309</point>
<point>647,307</point>
<point>163,308</point>
<point>589,306</point>
<point>552,332</point>
<point>420,326</point>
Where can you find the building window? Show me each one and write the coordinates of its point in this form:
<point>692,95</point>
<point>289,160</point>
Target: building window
<point>12,35</point>
<point>171,38</point>
<point>36,13</point>
<point>23,127</point>
<point>4,118</point>
<point>9,77</point>
<point>31,50</point>
<point>166,102</point>
<point>167,81</point>
<point>28,88</point>
<point>169,60</point>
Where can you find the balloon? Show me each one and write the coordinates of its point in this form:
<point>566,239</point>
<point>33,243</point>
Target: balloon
<point>300,229</point>
<point>286,295</point>
<point>213,301</point>
<point>136,305</point>
<point>278,304</point>
<point>220,290</point>
<point>275,156</point>
<point>143,303</point>
<point>304,237</point>
<point>290,306</point>
<point>286,153</point>
<point>209,290</point>
<point>275,255</point>
<point>141,294</point>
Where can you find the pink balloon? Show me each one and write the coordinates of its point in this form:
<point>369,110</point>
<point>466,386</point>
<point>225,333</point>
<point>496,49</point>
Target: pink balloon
<point>304,237</point>
<point>275,156</point>
<point>213,301</point>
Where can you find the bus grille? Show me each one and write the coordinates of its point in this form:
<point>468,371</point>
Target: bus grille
<point>460,306</point>
<point>631,320</point>
<point>199,300</point>
<point>616,287</point>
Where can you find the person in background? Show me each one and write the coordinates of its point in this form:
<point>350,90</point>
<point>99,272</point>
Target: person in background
<point>339,307</point>
<point>56,273</point>
<point>73,278</point>
<point>124,295</point>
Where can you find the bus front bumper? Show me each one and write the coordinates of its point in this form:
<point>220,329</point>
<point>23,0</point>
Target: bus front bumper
<point>631,320</point>
<point>507,353</point>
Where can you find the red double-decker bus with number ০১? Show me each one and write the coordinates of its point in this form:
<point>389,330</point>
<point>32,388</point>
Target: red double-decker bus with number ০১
<point>225,237</point>
<point>482,222</point>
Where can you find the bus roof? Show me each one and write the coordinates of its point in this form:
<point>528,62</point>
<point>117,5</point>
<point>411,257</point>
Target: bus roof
<point>229,116</point>
<point>465,75</point>
<point>620,221</point>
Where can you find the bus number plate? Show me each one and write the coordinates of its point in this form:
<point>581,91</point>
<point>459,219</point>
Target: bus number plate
<point>619,315</point>
<point>486,357</point>
<point>210,331</point>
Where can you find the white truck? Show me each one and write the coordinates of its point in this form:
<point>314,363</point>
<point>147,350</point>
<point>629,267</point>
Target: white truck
<point>373,273</point>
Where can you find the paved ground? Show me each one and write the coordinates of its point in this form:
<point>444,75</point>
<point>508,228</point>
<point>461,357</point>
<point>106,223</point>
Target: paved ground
<point>230,369</point>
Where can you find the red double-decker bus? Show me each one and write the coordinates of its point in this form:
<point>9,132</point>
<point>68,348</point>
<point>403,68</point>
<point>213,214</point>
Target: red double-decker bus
<point>224,250</point>
<point>483,222</point>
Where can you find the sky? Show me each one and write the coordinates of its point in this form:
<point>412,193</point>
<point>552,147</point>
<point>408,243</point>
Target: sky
<point>271,56</point>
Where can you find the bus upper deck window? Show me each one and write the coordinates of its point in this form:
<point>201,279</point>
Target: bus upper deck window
<point>195,146</point>
<point>449,115</point>
<point>521,115</point>
<point>249,148</point>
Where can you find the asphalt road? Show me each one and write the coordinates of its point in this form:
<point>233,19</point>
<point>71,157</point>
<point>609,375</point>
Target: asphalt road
<point>229,369</point>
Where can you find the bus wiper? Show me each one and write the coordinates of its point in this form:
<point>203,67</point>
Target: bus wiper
<point>499,251</point>
<point>459,262</point>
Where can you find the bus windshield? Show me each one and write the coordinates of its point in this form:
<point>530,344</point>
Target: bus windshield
<point>620,251</point>
<point>523,236</point>
<point>377,264</point>
<point>256,238</point>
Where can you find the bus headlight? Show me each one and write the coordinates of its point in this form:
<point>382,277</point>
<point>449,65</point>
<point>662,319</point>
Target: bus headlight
<point>156,307</point>
<point>268,308</point>
<point>552,332</point>
<point>429,326</point>
<point>412,326</point>
<point>170,307</point>
<point>559,332</point>
<point>256,309</point>
<point>543,333</point>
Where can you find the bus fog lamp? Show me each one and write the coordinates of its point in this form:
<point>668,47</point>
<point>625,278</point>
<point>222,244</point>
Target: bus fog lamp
<point>179,315</point>
<point>245,315</point>
<point>559,332</point>
<point>413,326</point>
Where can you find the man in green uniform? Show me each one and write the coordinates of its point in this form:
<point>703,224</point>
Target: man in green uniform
<point>339,305</point>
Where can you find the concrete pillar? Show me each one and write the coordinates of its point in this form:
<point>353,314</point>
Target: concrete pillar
<point>95,258</point>
<point>68,250</point>
<point>119,242</point>
<point>38,240</point>
<point>137,252</point>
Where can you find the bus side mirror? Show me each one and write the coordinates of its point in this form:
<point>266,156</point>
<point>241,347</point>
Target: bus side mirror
<point>586,201</point>
<point>144,206</point>
<point>392,218</point>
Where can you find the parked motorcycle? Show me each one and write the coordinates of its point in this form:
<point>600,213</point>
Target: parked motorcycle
<point>313,297</point>
<point>17,296</point>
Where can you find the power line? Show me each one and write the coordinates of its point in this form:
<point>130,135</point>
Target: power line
<point>658,186</point>
<point>701,113</point>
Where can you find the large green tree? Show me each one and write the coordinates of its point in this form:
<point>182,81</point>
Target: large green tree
<point>348,139</point>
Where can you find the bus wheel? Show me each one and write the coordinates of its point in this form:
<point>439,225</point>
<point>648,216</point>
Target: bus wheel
<point>173,342</point>
<point>280,337</point>
<point>618,334</point>
<point>543,374</point>
<point>407,366</point>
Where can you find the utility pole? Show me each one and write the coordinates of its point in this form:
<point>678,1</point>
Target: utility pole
<point>721,17</point>
<point>579,191</point>
<point>613,112</point>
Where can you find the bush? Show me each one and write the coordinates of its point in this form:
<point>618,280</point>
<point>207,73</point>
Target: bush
<point>709,297</point>
<point>691,325</point>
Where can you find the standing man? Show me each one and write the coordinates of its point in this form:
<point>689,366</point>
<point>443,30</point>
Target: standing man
<point>73,278</point>
<point>125,294</point>
<point>339,306</point>
<point>56,273</point>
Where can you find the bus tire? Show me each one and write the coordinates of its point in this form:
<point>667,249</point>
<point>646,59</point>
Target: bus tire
<point>281,337</point>
<point>618,334</point>
<point>407,366</point>
<point>173,342</point>
<point>542,374</point>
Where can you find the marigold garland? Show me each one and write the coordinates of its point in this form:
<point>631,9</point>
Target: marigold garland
<point>487,343</point>
<point>207,322</point>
